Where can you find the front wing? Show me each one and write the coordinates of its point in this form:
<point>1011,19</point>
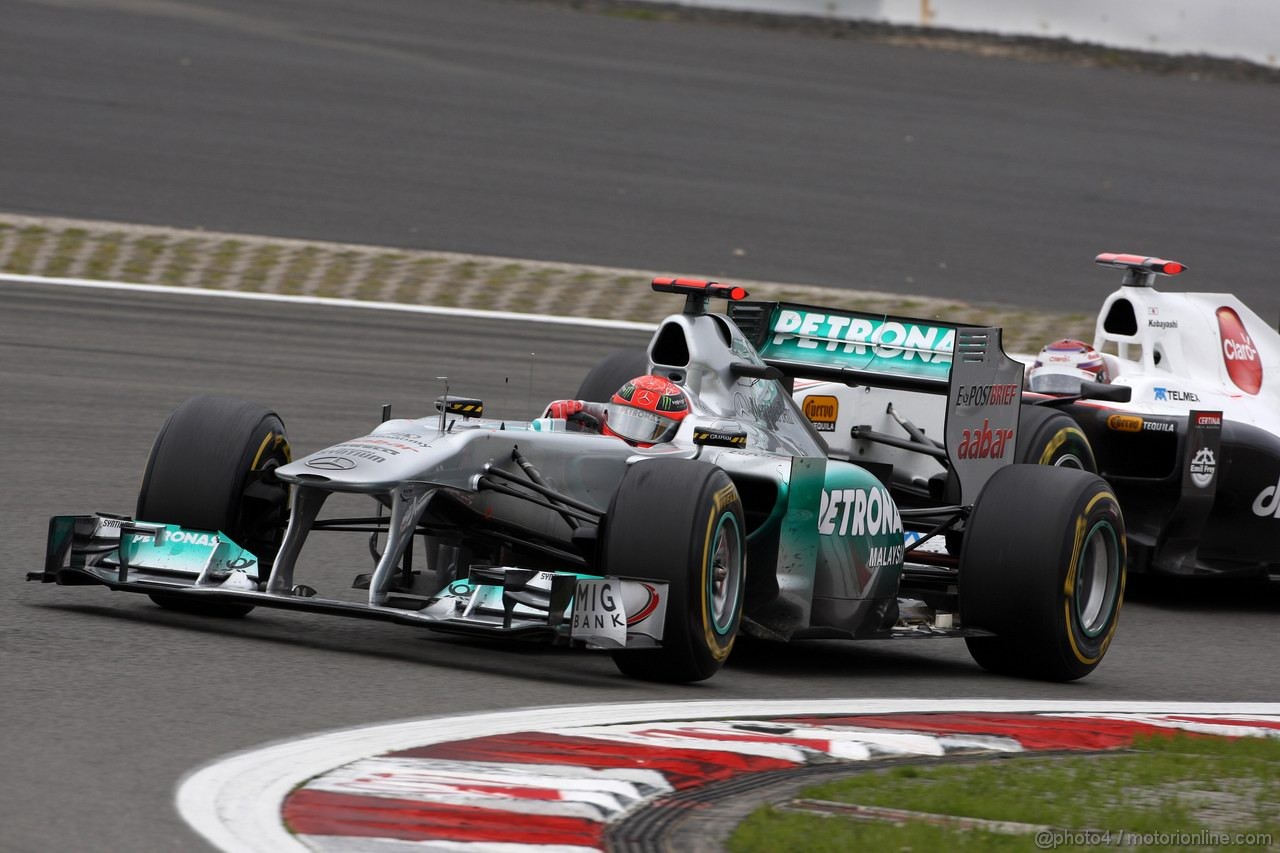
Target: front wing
<point>206,566</point>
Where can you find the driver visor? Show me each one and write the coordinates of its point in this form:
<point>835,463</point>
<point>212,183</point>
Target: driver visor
<point>1057,383</point>
<point>638,424</point>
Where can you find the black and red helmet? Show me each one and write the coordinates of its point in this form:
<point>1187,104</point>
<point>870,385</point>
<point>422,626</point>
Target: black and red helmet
<point>647,410</point>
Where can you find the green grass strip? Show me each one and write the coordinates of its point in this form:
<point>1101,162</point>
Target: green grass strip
<point>182,260</point>
<point>337,273</point>
<point>374,281</point>
<point>1179,784</point>
<point>416,278</point>
<point>145,252</point>
<point>221,263</point>
<point>65,252</point>
<point>30,241</point>
<point>299,269</point>
<point>103,257</point>
<point>100,251</point>
<point>262,263</point>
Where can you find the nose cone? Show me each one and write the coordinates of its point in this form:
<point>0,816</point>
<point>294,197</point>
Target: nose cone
<point>372,462</point>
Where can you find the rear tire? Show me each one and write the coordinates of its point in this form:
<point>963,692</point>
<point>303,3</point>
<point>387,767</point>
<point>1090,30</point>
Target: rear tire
<point>1043,567</point>
<point>681,521</point>
<point>611,373</point>
<point>1047,436</point>
<point>197,474</point>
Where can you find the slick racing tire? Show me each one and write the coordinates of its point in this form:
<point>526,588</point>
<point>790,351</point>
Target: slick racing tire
<point>611,373</point>
<point>198,476</point>
<point>1043,568</point>
<point>1046,436</point>
<point>681,521</point>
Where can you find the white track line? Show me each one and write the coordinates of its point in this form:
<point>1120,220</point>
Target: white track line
<point>235,802</point>
<point>332,302</point>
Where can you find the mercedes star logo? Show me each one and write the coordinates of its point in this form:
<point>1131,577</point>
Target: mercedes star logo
<point>332,463</point>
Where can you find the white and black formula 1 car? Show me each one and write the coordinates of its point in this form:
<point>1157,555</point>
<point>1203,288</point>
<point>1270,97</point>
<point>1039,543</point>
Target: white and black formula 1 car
<point>661,555</point>
<point>1185,426</point>
<point>1194,450</point>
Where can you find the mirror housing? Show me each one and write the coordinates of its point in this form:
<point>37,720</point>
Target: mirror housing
<point>1103,391</point>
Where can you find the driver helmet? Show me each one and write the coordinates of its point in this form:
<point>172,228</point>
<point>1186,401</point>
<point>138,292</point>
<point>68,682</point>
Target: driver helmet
<point>1063,365</point>
<point>645,411</point>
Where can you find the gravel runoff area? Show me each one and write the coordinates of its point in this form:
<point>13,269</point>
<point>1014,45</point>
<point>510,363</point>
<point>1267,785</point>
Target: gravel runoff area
<point>73,248</point>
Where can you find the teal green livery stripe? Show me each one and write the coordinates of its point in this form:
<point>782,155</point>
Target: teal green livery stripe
<point>848,340</point>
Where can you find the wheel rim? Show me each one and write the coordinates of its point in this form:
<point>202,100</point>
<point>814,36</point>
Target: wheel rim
<point>1097,579</point>
<point>1069,460</point>
<point>724,578</point>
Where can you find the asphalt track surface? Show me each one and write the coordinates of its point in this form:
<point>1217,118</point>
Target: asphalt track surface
<point>108,700</point>
<point>518,128</point>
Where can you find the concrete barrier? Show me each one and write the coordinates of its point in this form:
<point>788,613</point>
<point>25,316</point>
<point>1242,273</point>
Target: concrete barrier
<point>1230,29</point>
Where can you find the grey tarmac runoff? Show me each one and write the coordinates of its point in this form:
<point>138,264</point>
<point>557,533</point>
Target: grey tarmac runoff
<point>110,700</point>
<point>534,130</point>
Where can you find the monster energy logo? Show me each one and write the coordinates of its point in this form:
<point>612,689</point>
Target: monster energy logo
<point>667,403</point>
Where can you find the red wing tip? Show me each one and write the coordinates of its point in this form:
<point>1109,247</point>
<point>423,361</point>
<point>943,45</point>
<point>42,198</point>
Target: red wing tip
<point>1121,260</point>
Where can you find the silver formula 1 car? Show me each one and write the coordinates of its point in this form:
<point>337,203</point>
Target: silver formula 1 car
<point>660,555</point>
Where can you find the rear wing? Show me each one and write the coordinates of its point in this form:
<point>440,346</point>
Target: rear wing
<point>967,364</point>
<point>854,347</point>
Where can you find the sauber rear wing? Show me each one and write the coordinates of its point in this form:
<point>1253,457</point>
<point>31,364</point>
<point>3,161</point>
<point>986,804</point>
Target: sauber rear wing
<point>983,386</point>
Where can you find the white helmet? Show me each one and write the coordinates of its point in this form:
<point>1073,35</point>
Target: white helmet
<point>1063,365</point>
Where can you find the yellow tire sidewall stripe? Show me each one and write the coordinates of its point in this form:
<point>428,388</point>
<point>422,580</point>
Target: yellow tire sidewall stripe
<point>1059,439</point>
<point>1069,587</point>
<point>718,652</point>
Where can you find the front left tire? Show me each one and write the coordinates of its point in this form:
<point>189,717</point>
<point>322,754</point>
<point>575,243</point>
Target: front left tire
<point>681,521</point>
<point>206,472</point>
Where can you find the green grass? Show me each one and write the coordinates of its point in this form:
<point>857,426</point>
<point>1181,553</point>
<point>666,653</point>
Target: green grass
<point>69,244</point>
<point>95,250</point>
<point>504,276</point>
<point>103,256</point>
<point>145,252</point>
<point>380,271</point>
<point>221,263</point>
<point>23,256</point>
<point>181,262</point>
<point>1167,784</point>
<point>416,279</point>
<point>299,269</point>
<point>527,296</point>
<point>338,273</point>
<point>261,263</point>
